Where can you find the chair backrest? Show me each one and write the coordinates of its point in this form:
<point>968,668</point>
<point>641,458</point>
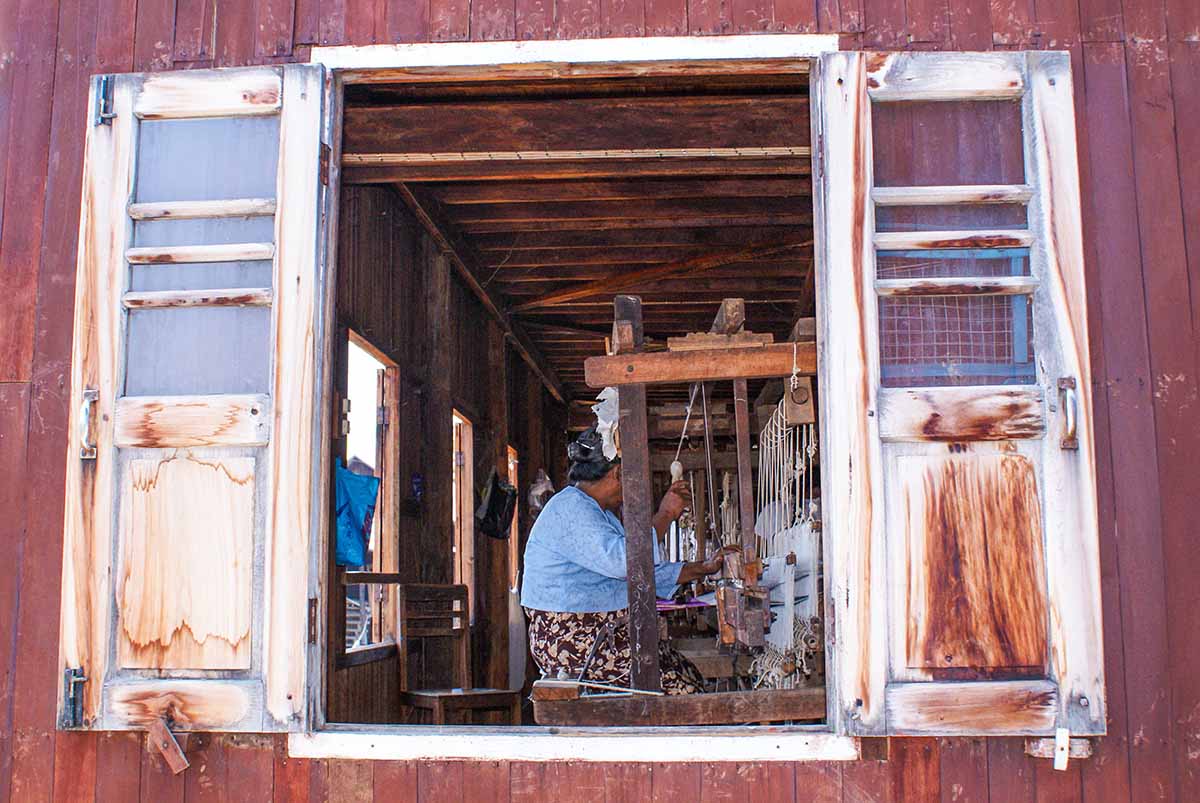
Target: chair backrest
<point>436,611</point>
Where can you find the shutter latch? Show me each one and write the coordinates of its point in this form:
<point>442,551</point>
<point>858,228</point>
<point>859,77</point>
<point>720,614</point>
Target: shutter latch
<point>161,739</point>
<point>73,680</point>
<point>312,620</point>
<point>104,102</point>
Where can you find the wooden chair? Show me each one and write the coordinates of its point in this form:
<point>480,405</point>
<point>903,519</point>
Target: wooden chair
<point>440,611</point>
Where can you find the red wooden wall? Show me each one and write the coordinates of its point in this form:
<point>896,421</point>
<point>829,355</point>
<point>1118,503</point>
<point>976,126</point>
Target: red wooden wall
<point>1137,66</point>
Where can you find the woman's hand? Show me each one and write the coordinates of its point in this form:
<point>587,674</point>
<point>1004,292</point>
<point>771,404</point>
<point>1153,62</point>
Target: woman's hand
<point>717,561</point>
<point>700,569</point>
<point>677,499</point>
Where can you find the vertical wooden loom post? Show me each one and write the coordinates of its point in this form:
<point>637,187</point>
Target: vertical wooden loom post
<point>731,318</point>
<point>741,410</point>
<point>637,504</point>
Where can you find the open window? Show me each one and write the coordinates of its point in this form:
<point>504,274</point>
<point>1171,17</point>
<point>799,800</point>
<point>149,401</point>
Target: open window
<point>462,509</point>
<point>897,420</point>
<point>194,396</point>
<point>959,463</point>
<point>367,443</point>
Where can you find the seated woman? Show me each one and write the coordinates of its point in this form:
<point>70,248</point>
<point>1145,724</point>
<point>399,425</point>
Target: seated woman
<point>575,590</point>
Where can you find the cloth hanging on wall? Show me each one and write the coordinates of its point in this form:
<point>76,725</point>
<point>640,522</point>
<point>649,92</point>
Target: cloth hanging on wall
<point>494,515</point>
<point>356,496</point>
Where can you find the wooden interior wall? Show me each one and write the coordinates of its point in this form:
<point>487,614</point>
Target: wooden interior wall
<point>395,291</point>
<point>1137,78</point>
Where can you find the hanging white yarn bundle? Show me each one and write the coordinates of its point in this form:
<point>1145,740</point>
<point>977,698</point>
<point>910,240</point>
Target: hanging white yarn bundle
<point>783,527</point>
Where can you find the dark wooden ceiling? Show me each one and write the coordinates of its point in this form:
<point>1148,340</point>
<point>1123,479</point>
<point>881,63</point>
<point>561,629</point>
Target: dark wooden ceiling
<point>556,195</point>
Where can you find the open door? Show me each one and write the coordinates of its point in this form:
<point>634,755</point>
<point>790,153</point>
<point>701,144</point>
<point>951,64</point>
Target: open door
<point>192,468</point>
<point>958,459</point>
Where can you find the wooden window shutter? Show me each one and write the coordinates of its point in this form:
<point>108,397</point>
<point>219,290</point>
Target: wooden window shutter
<point>194,402</point>
<point>958,472</point>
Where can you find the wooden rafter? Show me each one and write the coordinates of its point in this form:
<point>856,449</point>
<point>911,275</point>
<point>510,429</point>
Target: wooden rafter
<point>466,261</point>
<point>667,367</point>
<point>364,172</point>
<point>687,267</point>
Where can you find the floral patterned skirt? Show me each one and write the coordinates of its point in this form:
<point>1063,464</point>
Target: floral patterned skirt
<point>562,641</point>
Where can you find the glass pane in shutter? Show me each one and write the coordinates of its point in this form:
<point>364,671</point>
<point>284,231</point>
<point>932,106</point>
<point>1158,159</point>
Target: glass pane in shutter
<point>201,350</point>
<point>202,275</point>
<point>207,159</point>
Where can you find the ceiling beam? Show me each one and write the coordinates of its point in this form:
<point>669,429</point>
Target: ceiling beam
<point>466,261</point>
<point>380,170</point>
<point>578,124</point>
<point>686,267</point>
<point>670,367</point>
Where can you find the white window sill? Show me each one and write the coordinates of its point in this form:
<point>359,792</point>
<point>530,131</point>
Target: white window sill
<point>407,743</point>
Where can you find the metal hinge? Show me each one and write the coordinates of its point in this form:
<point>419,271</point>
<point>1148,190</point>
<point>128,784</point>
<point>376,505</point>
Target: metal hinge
<point>73,680</point>
<point>312,620</point>
<point>104,102</point>
<point>382,416</point>
<point>326,154</point>
<point>460,459</point>
<point>344,418</point>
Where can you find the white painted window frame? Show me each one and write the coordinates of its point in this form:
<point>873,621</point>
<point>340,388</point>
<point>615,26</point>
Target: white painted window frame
<point>373,63</point>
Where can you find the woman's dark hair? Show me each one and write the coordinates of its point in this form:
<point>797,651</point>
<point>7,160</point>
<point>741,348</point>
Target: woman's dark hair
<point>586,454</point>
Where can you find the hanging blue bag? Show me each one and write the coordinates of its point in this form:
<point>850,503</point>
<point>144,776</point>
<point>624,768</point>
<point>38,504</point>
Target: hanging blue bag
<point>356,495</point>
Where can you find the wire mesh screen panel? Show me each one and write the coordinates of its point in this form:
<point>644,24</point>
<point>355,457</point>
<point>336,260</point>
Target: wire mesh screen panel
<point>936,143</point>
<point>958,217</point>
<point>956,340</point>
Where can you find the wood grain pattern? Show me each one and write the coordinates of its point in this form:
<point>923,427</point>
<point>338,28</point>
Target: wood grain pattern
<point>920,76</point>
<point>936,196</point>
<point>88,515</point>
<point>661,367</point>
<point>176,299</point>
<point>188,210</point>
<point>183,584</point>
<point>1072,531</point>
<point>292,518</point>
<point>717,708</point>
<point>637,509</point>
<point>904,240</point>
<point>972,541</point>
<point>852,461</point>
<point>1015,706</point>
<point>578,124</point>
<point>205,705</point>
<point>1001,285</point>
<point>254,91</point>
<point>957,414</point>
<point>177,421</point>
<point>171,255</point>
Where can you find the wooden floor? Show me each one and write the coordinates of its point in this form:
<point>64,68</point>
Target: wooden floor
<point>1137,79</point>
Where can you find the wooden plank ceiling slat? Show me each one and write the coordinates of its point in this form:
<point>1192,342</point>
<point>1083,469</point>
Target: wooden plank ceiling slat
<point>555,238</point>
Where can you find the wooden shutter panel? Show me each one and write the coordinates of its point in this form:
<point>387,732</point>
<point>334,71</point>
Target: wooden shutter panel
<point>190,479</point>
<point>958,472</point>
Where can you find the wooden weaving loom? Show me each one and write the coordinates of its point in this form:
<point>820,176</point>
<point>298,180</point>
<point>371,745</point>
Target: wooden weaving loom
<point>726,353</point>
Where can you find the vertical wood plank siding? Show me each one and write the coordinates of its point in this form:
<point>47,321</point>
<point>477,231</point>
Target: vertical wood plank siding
<point>1136,68</point>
